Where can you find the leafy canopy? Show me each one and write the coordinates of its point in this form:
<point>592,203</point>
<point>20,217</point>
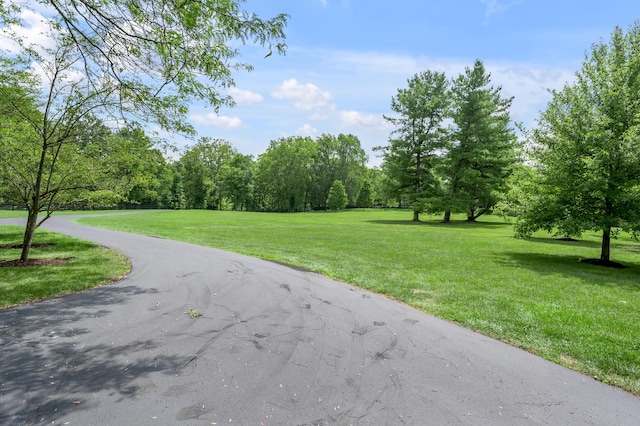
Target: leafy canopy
<point>586,149</point>
<point>158,54</point>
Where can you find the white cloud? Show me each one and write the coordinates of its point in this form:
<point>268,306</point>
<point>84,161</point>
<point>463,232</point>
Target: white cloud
<point>529,85</point>
<point>496,7</point>
<point>245,97</point>
<point>305,96</point>
<point>358,119</point>
<point>318,117</point>
<point>36,32</point>
<point>307,130</point>
<point>493,7</point>
<point>212,119</point>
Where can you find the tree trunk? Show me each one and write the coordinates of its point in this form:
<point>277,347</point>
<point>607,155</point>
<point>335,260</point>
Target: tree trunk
<point>447,216</point>
<point>29,230</point>
<point>606,244</point>
<point>34,208</point>
<point>416,215</point>
<point>471,216</point>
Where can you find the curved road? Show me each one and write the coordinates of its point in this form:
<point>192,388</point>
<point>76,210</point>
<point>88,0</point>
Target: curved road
<point>273,346</point>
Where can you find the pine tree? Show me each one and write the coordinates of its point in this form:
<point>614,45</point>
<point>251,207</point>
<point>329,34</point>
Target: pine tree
<point>482,149</point>
<point>413,151</point>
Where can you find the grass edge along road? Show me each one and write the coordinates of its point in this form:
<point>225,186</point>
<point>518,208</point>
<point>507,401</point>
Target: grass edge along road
<point>84,265</point>
<point>529,293</point>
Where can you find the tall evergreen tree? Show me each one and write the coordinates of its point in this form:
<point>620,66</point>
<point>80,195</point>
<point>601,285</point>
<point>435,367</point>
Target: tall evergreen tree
<point>418,138</point>
<point>482,149</point>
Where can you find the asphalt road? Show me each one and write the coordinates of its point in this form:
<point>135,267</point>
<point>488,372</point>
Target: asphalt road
<point>273,346</point>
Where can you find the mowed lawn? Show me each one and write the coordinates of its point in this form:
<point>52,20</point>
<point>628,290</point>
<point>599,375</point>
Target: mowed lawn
<point>530,293</point>
<point>83,265</point>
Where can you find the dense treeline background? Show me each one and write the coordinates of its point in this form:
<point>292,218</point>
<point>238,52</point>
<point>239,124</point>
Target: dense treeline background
<point>293,174</point>
<point>452,150</point>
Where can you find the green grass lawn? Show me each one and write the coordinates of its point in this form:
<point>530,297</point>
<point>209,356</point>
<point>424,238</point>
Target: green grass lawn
<point>10,214</point>
<point>88,265</point>
<point>530,293</point>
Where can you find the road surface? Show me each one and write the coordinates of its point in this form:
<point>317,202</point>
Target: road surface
<point>195,335</point>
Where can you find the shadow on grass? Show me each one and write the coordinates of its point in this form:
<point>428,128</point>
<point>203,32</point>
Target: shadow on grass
<point>569,243</point>
<point>453,223</point>
<point>629,247</point>
<point>570,265</point>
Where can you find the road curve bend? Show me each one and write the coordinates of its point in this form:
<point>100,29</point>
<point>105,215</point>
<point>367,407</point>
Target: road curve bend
<point>195,335</point>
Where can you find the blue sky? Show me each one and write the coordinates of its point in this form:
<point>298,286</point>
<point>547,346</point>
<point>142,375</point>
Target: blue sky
<point>347,58</point>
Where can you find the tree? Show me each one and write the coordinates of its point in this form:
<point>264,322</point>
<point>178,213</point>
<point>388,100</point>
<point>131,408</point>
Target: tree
<point>121,60</point>
<point>351,164</point>
<point>586,149</point>
<point>202,165</point>
<point>158,55</point>
<point>337,199</point>
<point>365,196</point>
<point>341,158</point>
<point>48,138</point>
<point>284,174</point>
<point>413,151</point>
<point>237,181</point>
<point>483,145</point>
<point>142,163</point>
<point>172,192</point>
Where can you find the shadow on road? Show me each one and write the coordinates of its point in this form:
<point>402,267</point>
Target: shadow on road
<point>48,372</point>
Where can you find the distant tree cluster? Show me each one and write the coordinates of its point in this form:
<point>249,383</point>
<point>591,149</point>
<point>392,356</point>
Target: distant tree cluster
<point>293,174</point>
<point>452,149</point>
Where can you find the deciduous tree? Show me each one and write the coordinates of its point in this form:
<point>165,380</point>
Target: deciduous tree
<point>338,157</point>
<point>586,148</point>
<point>159,55</point>
<point>202,164</point>
<point>284,174</point>
<point>48,154</point>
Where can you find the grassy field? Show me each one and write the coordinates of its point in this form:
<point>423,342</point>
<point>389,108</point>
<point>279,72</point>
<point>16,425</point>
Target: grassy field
<point>529,293</point>
<point>11,214</point>
<point>88,265</point>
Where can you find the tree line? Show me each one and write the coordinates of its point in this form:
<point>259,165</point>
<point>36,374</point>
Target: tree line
<point>293,174</point>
